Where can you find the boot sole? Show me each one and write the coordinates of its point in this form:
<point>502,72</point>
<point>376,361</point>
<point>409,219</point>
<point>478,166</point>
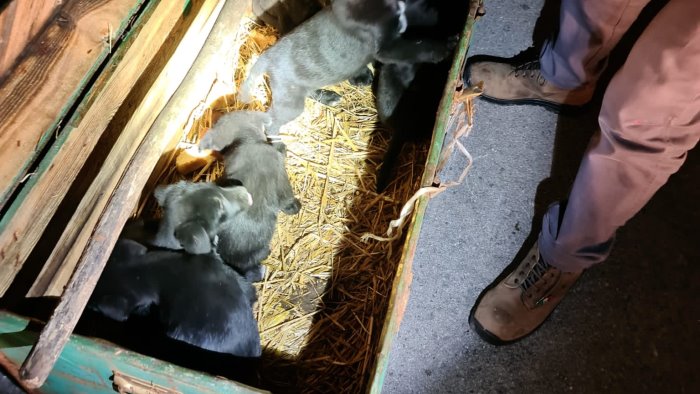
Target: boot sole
<point>489,337</point>
<point>563,109</point>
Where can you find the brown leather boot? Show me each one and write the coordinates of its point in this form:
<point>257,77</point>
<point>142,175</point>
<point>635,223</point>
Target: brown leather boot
<point>521,83</point>
<point>520,303</point>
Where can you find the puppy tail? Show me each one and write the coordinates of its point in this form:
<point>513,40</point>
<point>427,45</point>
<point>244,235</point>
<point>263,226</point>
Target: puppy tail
<point>245,93</point>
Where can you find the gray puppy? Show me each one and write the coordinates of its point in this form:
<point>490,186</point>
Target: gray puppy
<point>195,212</point>
<point>244,240</point>
<point>330,47</point>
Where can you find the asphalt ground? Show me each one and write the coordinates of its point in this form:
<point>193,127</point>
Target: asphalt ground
<point>631,324</point>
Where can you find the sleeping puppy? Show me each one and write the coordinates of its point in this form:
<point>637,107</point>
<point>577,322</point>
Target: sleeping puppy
<point>245,238</point>
<point>197,299</point>
<point>194,212</point>
<point>332,46</point>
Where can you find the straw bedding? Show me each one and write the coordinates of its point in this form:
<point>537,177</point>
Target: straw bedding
<point>323,301</point>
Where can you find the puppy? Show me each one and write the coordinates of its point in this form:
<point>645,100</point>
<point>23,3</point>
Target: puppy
<point>407,94</point>
<point>244,239</point>
<point>195,212</point>
<point>197,298</point>
<point>330,47</point>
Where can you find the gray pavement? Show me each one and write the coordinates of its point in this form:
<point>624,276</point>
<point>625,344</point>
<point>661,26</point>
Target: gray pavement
<point>631,324</point>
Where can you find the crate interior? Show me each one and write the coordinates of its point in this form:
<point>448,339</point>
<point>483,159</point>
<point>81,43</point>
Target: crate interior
<point>322,303</point>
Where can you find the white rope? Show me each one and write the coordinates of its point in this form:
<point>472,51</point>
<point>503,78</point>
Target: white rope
<point>462,117</point>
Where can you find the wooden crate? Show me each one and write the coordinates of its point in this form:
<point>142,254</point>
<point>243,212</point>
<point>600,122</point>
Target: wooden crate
<point>72,192</point>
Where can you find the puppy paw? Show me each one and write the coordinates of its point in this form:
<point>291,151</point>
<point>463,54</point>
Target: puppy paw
<point>256,274</point>
<point>327,97</point>
<point>278,145</point>
<point>293,207</point>
<point>364,78</point>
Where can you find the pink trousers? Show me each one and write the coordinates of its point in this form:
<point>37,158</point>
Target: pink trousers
<point>650,118</point>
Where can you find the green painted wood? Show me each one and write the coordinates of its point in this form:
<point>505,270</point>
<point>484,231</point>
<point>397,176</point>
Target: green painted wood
<point>443,118</point>
<point>86,365</point>
<point>402,282</point>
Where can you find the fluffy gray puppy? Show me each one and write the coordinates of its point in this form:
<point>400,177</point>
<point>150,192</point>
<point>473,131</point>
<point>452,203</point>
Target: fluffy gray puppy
<point>245,238</point>
<point>195,212</point>
<point>330,47</point>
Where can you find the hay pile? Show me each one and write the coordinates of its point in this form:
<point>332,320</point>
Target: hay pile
<point>322,304</point>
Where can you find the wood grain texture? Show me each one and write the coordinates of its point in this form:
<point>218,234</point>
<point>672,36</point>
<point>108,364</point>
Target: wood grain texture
<point>20,21</point>
<point>62,262</point>
<point>57,331</point>
<point>24,228</point>
<point>47,79</point>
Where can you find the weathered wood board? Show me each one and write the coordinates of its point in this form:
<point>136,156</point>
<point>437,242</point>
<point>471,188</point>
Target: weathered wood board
<point>52,71</point>
<point>22,227</point>
<point>62,262</point>
<point>20,21</point>
<point>103,223</point>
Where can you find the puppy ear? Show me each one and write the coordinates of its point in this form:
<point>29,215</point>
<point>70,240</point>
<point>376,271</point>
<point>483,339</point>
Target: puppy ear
<point>239,196</point>
<point>193,238</point>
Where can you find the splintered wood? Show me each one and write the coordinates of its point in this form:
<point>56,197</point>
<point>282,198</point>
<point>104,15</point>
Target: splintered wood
<point>322,304</point>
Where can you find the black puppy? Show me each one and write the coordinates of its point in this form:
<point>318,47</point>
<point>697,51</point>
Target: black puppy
<point>197,298</point>
<point>407,94</point>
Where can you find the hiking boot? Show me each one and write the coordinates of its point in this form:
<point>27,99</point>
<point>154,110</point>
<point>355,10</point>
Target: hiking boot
<point>522,83</point>
<point>521,302</point>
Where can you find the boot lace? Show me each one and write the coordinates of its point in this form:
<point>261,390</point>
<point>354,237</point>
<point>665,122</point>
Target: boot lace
<point>529,69</point>
<point>537,273</point>
<point>539,282</point>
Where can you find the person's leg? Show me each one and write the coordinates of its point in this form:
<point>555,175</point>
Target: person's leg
<point>650,118</point>
<point>568,67</point>
<point>588,31</point>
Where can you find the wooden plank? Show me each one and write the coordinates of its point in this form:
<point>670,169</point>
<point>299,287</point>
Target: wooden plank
<point>20,21</point>
<point>51,73</point>
<point>21,232</point>
<point>57,331</point>
<point>61,264</point>
<point>87,364</point>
